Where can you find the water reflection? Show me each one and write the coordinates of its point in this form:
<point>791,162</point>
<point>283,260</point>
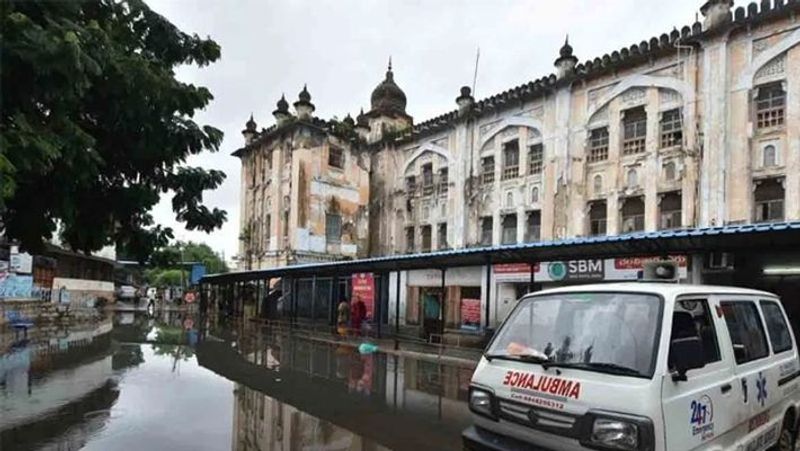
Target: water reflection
<point>169,380</point>
<point>335,398</point>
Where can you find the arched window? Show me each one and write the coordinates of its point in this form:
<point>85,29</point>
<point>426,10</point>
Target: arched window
<point>632,179</point>
<point>669,171</point>
<point>509,199</point>
<point>598,184</point>
<point>535,194</point>
<point>770,156</point>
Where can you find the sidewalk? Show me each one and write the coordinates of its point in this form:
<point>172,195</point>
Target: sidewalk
<point>457,356</point>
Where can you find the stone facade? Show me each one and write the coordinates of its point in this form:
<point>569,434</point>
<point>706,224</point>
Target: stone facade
<point>694,128</point>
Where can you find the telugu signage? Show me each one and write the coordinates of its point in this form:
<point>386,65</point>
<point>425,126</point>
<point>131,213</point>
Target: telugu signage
<point>363,285</point>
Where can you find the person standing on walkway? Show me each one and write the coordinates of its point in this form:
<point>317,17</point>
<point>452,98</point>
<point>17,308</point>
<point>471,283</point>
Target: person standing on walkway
<point>342,317</point>
<point>359,312</point>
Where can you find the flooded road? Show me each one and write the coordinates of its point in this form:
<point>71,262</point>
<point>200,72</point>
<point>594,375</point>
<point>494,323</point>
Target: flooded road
<point>163,382</point>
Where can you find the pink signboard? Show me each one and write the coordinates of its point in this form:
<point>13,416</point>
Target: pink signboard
<point>364,289</point>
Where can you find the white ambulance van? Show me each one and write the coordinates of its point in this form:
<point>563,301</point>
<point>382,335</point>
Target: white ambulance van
<point>639,366</point>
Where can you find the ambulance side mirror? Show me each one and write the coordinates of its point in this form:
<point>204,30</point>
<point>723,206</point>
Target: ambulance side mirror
<point>685,354</point>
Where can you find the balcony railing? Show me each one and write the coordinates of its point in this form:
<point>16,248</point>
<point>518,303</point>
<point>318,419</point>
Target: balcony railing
<point>487,177</point>
<point>632,146</point>
<point>510,172</point>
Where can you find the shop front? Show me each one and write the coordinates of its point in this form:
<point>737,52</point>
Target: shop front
<point>457,300</point>
<point>512,281</point>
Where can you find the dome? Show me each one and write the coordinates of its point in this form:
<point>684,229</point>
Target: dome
<point>283,105</point>
<point>304,95</point>
<point>250,125</point>
<point>387,97</point>
<point>566,49</point>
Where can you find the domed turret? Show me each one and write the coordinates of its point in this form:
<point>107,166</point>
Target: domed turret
<point>281,113</point>
<point>465,100</point>
<point>303,107</point>
<point>387,98</point>
<point>362,124</point>
<point>249,131</point>
<point>566,61</point>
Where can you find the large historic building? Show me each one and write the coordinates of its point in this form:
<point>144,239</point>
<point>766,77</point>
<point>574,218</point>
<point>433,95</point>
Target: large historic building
<point>695,127</point>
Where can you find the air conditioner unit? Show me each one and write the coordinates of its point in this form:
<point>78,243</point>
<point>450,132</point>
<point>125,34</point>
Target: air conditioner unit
<point>720,260</point>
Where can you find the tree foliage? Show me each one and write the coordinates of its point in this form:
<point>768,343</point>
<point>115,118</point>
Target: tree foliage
<point>166,265</point>
<point>95,126</point>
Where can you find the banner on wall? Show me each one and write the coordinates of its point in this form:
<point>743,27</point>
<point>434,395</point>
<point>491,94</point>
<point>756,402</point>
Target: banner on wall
<point>470,313</point>
<point>15,286</point>
<point>363,285</point>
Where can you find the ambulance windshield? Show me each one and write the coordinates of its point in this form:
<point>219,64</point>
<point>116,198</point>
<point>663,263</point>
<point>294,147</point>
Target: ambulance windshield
<point>605,332</point>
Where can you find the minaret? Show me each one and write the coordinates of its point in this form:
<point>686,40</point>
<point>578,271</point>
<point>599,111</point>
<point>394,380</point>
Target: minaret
<point>465,100</point>
<point>716,12</point>
<point>565,64</point>
<point>362,125</point>
<point>249,131</point>
<point>282,114</point>
<point>303,107</point>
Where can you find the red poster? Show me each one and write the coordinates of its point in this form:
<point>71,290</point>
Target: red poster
<point>364,289</point>
<point>515,268</point>
<point>470,313</point>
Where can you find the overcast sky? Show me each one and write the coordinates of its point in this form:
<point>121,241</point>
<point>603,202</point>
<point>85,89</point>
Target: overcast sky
<point>341,48</point>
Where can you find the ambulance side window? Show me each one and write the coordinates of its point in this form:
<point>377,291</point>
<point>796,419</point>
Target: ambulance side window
<point>692,320</point>
<point>776,326</point>
<point>746,330</point>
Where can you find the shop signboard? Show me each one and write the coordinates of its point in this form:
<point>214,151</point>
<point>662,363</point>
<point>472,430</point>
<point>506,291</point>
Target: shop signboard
<point>628,268</point>
<point>470,314</point>
<point>572,270</point>
<point>364,288</point>
<point>467,276</point>
<point>610,269</point>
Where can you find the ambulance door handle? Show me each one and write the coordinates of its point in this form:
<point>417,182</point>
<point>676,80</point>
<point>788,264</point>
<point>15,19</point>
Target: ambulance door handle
<point>726,388</point>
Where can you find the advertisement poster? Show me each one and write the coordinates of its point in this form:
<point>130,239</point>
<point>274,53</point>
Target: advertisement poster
<point>470,314</point>
<point>364,289</point>
<point>15,286</point>
<point>21,263</point>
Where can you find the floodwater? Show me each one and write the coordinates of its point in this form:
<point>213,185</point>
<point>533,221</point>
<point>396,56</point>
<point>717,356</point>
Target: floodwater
<point>162,381</point>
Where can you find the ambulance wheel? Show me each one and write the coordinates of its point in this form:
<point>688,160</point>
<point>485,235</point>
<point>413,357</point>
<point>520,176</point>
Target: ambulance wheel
<point>787,437</point>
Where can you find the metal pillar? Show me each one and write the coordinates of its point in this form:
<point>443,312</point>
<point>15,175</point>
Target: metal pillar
<point>533,278</point>
<point>442,312</point>
<point>397,305</point>
<point>313,298</point>
<point>488,290</point>
<point>294,302</point>
<point>334,305</point>
<point>378,302</point>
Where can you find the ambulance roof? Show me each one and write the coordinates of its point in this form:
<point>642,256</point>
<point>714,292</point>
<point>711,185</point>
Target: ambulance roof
<point>662,288</point>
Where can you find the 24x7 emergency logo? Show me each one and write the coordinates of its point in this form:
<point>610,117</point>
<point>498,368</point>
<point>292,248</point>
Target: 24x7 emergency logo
<point>702,417</point>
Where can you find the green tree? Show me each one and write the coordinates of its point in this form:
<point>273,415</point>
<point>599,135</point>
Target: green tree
<point>95,126</point>
<point>166,262</point>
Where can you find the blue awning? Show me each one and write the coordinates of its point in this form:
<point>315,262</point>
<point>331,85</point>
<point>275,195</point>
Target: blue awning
<point>729,238</point>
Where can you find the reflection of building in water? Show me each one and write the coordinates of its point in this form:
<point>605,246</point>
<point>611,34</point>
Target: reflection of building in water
<point>263,423</point>
<point>314,395</point>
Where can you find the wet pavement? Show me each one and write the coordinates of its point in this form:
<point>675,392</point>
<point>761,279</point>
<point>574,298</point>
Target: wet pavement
<point>169,382</point>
